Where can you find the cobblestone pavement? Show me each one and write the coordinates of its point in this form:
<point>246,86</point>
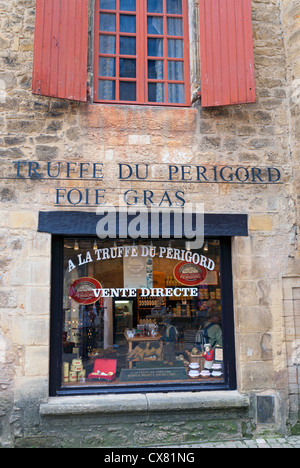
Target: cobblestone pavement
<point>289,442</point>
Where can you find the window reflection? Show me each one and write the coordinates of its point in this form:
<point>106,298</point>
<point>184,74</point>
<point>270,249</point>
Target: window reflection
<point>155,6</point>
<point>155,25</point>
<point>156,92</point>
<point>127,91</point>
<point>107,4</point>
<point>160,35</point>
<point>128,23</point>
<point>155,69</point>
<point>127,45</point>
<point>107,44</point>
<point>107,22</point>
<point>174,7</point>
<point>107,90</point>
<point>174,26</point>
<point>175,48</point>
<point>107,67</point>
<point>155,47</point>
<point>176,93</point>
<point>128,5</point>
<point>175,70</point>
<point>132,314</point>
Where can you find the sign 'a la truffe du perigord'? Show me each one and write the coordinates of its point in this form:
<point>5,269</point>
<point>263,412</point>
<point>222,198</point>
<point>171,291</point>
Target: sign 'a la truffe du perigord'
<point>78,196</point>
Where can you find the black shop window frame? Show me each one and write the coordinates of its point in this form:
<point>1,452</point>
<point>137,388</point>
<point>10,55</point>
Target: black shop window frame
<point>56,388</point>
<point>83,224</point>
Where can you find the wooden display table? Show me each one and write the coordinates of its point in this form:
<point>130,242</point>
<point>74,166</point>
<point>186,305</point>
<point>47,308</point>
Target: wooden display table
<point>143,353</point>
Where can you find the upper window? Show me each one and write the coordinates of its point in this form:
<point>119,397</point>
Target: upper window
<point>142,52</point>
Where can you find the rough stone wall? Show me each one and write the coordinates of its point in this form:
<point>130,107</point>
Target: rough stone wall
<point>40,129</point>
<point>291,21</point>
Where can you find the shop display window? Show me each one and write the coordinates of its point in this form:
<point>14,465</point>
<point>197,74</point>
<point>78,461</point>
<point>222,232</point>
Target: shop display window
<point>140,315</point>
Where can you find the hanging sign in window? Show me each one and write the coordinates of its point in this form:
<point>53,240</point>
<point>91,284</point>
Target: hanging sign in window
<point>82,291</point>
<point>189,274</point>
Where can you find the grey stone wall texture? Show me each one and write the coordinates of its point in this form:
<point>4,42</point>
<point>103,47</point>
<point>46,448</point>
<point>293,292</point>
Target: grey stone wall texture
<point>266,265</point>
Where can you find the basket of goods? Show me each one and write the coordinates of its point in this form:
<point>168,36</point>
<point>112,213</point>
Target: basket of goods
<point>195,356</point>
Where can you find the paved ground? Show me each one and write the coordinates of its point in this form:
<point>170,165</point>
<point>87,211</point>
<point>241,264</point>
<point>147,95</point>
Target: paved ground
<point>289,442</point>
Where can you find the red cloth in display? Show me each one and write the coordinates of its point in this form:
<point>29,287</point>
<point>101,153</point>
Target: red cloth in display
<point>104,369</point>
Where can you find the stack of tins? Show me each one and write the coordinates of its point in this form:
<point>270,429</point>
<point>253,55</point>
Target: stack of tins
<point>76,372</point>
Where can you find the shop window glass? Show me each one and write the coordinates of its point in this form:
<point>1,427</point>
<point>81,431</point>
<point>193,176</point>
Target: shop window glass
<point>141,314</point>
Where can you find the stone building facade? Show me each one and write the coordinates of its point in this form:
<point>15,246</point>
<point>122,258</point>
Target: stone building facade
<point>266,263</point>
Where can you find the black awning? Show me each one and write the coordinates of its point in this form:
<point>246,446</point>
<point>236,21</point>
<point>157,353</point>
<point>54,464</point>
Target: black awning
<point>70,223</point>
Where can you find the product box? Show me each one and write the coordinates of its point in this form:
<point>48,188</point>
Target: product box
<point>104,369</point>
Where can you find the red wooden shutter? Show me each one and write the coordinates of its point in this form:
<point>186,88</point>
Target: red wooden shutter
<point>60,49</point>
<point>227,59</point>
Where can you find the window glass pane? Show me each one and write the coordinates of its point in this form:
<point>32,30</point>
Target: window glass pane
<point>127,45</point>
<point>127,68</point>
<point>155,70</point>
<point>175,48</point>
<point>107,90</point>
<point>107,44</point>
<point>123,337</point>
<point>107,22</point>
<point>175,71</point>
<point>174,7</point>
<point>155,25</point>
<point>156,92</point>
<point>107,66</point>
<point>155,47</point>
<point>175,26</point>
<point>128,23</point>
<point>127,91</point>
<point>155,6</point>
<point>128,5</point>
<point>107,4</point>
<point>176,93</point>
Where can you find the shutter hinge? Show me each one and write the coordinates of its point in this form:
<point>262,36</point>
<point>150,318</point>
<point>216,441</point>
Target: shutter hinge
<point>196,96</point>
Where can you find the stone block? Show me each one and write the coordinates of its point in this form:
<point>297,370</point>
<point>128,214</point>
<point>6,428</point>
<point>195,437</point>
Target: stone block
<point>256,375</point>
<point>30,331</point>
<point>248,293</point>
<point>20,275</point>
<point>296,293</point>
<point>289,284</point>
<point>40,272</point>
<point>8,298</point>
<point>23,220</point>
<point>253,319</point>
<point>288,306</point>
<point>24,126</point>
<point>39,245</point>
<point>260,223</point>
<point>33,272</point>
<point>37,300</point>
<point>139,140</point>
<point>29,390</point>
<point>46,153</point>
<point>36,361</point>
